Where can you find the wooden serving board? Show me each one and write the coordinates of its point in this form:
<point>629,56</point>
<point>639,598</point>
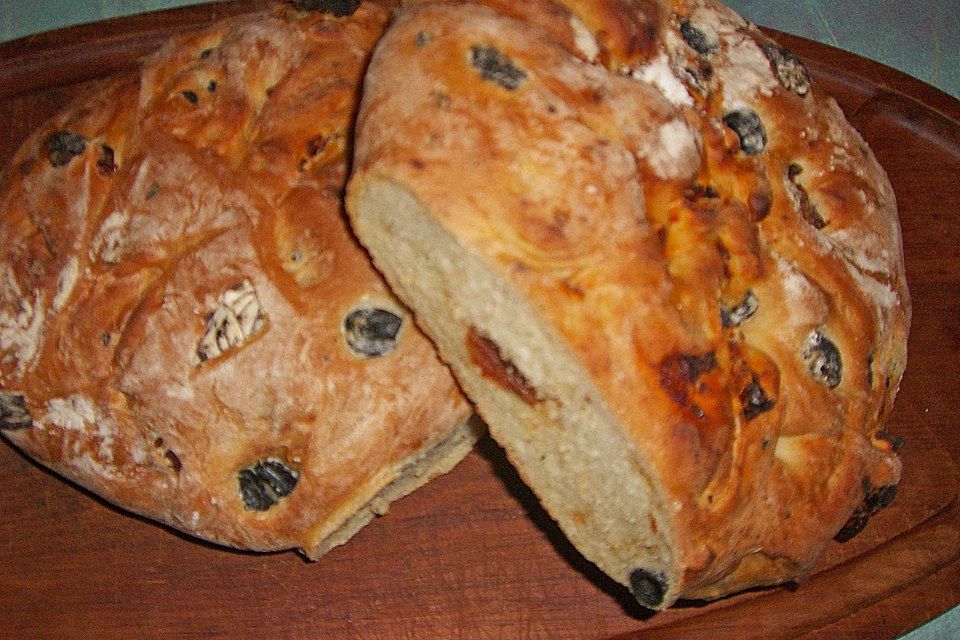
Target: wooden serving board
<point>472,555</point>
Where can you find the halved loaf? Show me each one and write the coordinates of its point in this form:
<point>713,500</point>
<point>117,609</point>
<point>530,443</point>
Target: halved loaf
<point>187,326</point>
<point>661,263</point>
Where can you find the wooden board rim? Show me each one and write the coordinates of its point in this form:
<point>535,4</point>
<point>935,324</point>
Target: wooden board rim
<point>76,54</point>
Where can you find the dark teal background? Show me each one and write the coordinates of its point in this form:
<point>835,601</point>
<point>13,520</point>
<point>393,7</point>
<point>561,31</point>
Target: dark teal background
<point>921,38</point>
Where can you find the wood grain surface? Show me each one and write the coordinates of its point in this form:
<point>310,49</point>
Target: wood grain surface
<point>472,555</point>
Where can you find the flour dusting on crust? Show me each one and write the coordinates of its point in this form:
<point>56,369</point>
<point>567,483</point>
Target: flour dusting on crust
<point>72,413</point>
<point>584,39</point>
<point>21,321</point>
<point>660,74</point>
<point>672,151</point>
<point>748,73</point>
<point>66,282</point>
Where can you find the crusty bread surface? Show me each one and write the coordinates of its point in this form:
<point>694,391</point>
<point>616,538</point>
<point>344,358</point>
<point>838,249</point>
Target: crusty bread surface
<point>665,268</point>
<point>187,326</point>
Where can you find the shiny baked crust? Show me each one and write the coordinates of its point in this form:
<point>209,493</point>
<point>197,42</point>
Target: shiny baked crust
<point>663,265</point>
<point>177,275</point>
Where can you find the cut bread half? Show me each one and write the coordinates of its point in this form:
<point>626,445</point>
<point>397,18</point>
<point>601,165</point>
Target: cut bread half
<point>661,263</point>
<point>537,398</point>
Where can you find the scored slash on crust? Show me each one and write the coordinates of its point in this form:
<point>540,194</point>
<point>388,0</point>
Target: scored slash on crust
<point>233,322</point>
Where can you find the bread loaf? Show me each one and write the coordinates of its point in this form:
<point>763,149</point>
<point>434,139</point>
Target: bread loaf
<point>187,327</point>
<point>662,264</point>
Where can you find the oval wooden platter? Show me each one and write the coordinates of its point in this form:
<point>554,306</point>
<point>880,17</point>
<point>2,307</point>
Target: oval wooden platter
<point>472,555</point>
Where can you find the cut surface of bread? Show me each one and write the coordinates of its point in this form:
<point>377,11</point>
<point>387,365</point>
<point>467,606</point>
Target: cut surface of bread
<point>551,420</point>
<point>187,326</point>
<point>662,264</point>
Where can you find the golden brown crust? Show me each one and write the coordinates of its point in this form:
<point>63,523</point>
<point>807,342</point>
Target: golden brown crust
<point>177,277</point>
<point>736,294</point>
